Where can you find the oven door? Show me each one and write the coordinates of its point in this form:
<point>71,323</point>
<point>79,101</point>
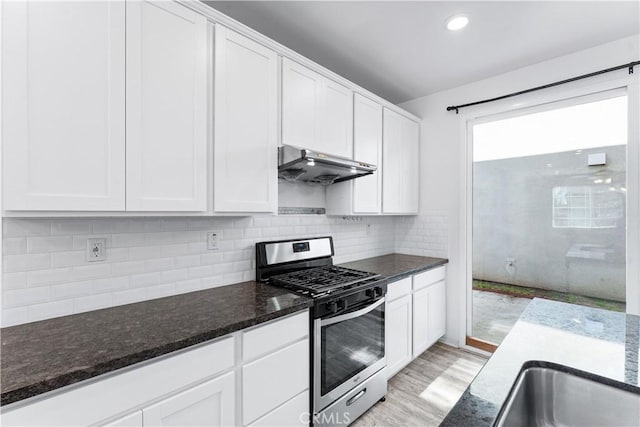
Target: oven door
<point>349,348</point>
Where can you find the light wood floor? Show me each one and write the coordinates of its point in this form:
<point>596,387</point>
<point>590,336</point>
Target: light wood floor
<point>423,392</point>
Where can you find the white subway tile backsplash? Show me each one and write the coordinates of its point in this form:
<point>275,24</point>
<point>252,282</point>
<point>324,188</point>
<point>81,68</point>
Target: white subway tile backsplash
<point>129,267</point>
<point>25,262</point>
<point>25,297</point>
<point>12,281</point>
<point>39,244</point>
<point>17,227</point>
<point>202,271</point>
<point>48,277</point>
<point>14,316</point>
<point>67,291</point>
<point>14,245</point>
<point>129,296</point>
<point>48,310</point>
<point>145,280</point>
<point>92,271</point>
<point>110,284</point>
<point>127,240</point>
<point>67,259</point>
<point>92,302</point>
<point>46,273</point>
<point>71,226</point>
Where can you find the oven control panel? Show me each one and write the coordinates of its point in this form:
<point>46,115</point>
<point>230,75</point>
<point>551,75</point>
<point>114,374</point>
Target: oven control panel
<point>336,304</point>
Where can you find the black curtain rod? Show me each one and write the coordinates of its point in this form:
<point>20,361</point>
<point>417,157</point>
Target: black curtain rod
<point>561,82</point>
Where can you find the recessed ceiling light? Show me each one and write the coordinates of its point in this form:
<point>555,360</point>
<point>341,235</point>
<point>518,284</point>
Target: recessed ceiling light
<point>457,22</point>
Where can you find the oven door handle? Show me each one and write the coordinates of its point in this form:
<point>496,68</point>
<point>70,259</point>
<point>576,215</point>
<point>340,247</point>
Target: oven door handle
<point>352,315</point>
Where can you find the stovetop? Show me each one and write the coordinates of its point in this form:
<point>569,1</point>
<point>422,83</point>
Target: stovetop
<point>323,280</point>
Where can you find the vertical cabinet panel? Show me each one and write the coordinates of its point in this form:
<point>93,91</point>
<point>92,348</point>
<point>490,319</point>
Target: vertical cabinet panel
<point>437,311</point>
<point>166,107</point>
<point>317,113</point>
<point>301,105</point>
<point>401,161</point>
<point>246,124</point>
<point>63,105</point>
<point>209,404</point>
<point>398,319</point>
<point>337,120</point>
<point>420,321</point>
<point>367,144</point>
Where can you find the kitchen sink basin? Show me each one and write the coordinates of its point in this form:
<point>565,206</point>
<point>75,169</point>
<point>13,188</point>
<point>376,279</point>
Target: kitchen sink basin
<point>547,394</point>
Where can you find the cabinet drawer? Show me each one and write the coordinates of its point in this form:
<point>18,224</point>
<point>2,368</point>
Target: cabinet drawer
<point>429,277</point>
<point>293,413</point>
<point>267,338</point>
<point>274,379</point>
<point>397,289</point>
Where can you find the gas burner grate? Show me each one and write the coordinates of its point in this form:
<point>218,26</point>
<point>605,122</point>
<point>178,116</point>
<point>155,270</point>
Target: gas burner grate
<point>322,280</point>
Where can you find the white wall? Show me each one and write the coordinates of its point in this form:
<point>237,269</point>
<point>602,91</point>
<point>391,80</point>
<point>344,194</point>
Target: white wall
<point>443,142</point>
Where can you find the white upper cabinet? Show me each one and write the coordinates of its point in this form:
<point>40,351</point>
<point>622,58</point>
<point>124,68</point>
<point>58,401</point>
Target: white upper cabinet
<point>337,121</point>
<point>317,113</point>
<point>246,125</point>
<point>301,105</point>
<point>362,195</point>
<point>167,83</point>
<point>400,186</point>
<point>367,143</point>
<point>63,94</point>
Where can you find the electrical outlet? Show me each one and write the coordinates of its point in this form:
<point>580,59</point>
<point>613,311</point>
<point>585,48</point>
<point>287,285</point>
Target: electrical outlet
<point>212,240</point>
<point>96,249</point>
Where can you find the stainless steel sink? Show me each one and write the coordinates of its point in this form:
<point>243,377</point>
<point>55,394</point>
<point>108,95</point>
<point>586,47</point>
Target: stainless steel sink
<point>546,394</point>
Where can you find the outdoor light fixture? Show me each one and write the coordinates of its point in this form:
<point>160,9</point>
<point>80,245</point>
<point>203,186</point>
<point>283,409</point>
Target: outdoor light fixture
<point>457,22</point>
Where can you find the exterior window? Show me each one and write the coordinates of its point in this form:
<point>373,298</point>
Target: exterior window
<point>588,207</point>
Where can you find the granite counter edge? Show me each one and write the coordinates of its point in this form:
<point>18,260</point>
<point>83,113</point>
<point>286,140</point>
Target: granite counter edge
<point>74,377</point>
<point>416,270</point>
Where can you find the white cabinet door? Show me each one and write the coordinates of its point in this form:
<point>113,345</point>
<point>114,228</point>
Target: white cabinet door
<point>367,144</point>
<point>274,379</point>
<point>209,404</point>
<point>302,102</point>
<point>317,113</point>
<point>246,125</point>
<point>400,184</point>
<point>131,420</point>
<point>398,337</point>
<point>63,88</point>
<point>337,120</point>
<point>420,321</point>
<point>436,311</point>
<point>167,48</point>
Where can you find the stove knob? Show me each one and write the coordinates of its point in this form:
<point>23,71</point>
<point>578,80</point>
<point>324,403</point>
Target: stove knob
<point>332,306</point>
<point>374,292</point>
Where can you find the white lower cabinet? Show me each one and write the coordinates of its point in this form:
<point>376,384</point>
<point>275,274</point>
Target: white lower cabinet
<point>194,387</point>
<point>208,404</point>
<point>398,334</point>
<point>293,413</point>
<point>420,321</point>
<point>415,319</point>
<point>131,420</point>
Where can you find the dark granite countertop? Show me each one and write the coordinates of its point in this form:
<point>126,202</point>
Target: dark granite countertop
<point>42,356</point>
<point>597,341</point>
<point>396,266</point>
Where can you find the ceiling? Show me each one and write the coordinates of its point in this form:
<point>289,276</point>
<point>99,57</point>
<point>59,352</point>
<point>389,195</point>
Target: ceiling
<point>401,50</point>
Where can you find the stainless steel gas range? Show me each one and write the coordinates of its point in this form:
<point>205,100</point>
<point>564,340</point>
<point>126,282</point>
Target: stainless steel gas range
<point>348,355</point>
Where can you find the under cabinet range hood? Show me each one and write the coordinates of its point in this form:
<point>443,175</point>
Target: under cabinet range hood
<point>301,164</point>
